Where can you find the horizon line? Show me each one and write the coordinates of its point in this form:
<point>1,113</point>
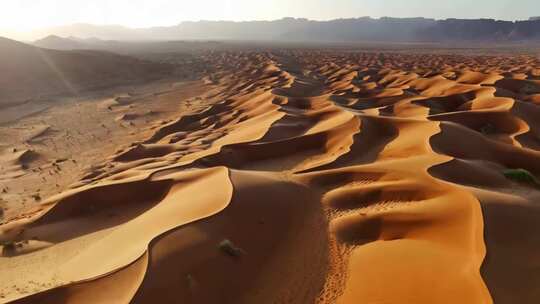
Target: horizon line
<point>264,20</point>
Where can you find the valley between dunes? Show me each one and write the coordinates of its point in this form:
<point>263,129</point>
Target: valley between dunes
<point>309,177</point>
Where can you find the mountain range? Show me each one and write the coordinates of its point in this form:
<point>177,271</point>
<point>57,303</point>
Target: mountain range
<point>303,30</point>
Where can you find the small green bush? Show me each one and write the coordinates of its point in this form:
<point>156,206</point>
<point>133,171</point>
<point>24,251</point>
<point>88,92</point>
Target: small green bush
<point>227,247</point>
<point>521,176</point>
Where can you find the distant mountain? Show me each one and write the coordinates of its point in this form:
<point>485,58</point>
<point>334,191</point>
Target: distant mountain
<point>340,30</point>
<point>31,72</point>
<point>55,42</point>
<point>59,43</point>
<point>105,32</point>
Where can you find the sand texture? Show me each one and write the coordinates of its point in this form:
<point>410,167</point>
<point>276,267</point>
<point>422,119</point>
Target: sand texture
<point>293,176</point>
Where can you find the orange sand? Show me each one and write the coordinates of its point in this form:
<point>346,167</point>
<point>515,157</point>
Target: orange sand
<point>343,177</point>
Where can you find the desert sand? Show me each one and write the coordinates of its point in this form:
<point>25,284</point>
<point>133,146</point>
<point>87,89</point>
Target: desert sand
<point>285,176</point>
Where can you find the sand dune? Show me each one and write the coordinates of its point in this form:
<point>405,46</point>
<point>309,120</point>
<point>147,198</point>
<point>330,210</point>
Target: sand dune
<point>310,177</point>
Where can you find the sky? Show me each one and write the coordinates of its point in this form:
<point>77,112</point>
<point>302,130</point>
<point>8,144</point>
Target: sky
<point>26,15</point>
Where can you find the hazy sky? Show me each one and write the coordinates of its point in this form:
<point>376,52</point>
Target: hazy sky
<point>23,15</point>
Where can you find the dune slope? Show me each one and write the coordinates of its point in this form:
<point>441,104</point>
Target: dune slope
<point>30,72</point>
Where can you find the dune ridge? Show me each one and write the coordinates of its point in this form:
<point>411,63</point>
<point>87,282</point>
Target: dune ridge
<point>341,178</point>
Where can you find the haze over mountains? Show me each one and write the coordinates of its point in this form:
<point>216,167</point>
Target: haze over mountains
<point>340,30</point>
